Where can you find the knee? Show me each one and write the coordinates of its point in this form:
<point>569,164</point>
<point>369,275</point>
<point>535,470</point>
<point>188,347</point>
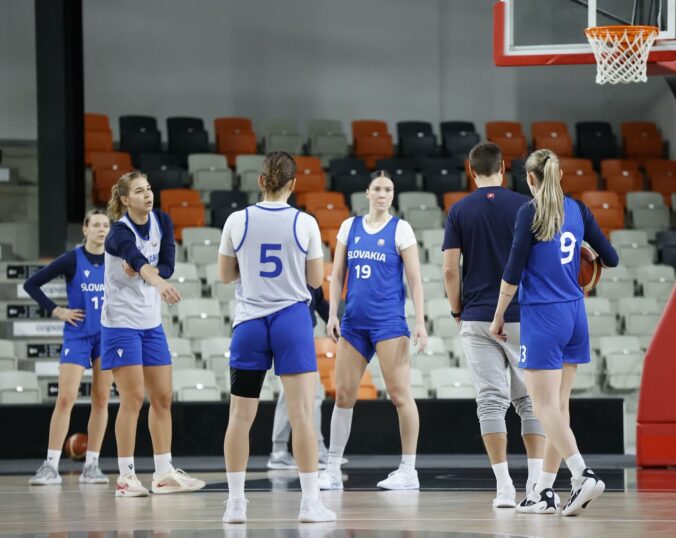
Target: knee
<point>400,396</point>
<point>161,401</point>
<point>491,407</point>
<point>99,399</point>
<point>132,400</point>
<point>65,401</point>
<point>345,398</point>
<point>301,416</point>
<point>523,406</point>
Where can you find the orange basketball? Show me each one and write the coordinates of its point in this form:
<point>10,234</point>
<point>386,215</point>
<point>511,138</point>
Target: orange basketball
<point>590,269</point>
<point>76,446</point>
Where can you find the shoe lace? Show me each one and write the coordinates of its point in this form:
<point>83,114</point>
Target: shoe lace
<point>46,469</point>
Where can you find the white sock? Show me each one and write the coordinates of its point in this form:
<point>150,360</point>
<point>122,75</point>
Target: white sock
<point>545,481</point>
<point>309,485</point>
<point>126,465</point>
<point>501,471</point>
<point>341,423</point>
<point>163,463</point>
<point>534,469</point>
<point>236,485</point>
<point>53,457</point>
<point>576,465</point>
<point>91,457</point>
<point>407,462</point>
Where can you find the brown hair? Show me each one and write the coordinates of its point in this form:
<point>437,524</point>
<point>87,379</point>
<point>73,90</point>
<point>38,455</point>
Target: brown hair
<point>115,206</point>
<point>89,214</point>
<point>548,200</point>
<point>278,169</point>
<point>485,159</point>
<point>380,173</point>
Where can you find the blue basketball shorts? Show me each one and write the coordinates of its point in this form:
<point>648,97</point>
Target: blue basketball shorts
<point>134,347</point>
<point>365,340</point>
<point>285,336</point>
<point>552,334</point>
<point>82,351</point>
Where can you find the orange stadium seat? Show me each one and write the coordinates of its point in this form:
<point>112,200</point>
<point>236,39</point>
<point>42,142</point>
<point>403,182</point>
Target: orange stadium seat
<point>331,218</point>
<point>612,167</point>
<point>233,125</point>
<point>575,184</point>
<point>452,197</point>
<point>97,141</point>
<point>629,129</point>
<point>607,209</point>
<point>325,347</point>
<point>506,129</point>
<point>326,282</point>
<point>186,217</point>
<point>103,181</point>
<point>170,198</point>
<point>309,177</point>
<point>329,237</point>
<point>548,128</point>
<point>665,185</point>
<point>552,135</point>
<point>644,148</point>
<point>324,200</point>
<point>234,136</point>
<point>367,390</point>
<point>509,136</point>
<point>575,165</point>
<point>110,159</point>
<point>660,167</point>
<point>96,122</point>
<point>624,183</point>
<point>372,141</point>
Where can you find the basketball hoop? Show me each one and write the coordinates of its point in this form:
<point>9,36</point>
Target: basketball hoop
<point>621,52</point>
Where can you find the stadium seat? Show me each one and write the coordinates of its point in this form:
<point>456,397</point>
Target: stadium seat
<point>309,177</point>
<point>372,141</point>
<point>552,135</point>
<point>419,388</point>
<point>452,383</point>
<point>641,140</point>
<point>139,134</point>
<point>107,167</point>
<point>421,218</point>
<point>233,125</point>
<point>623,184</point>
<point>416,140</point>
<point>327,140</point>
<point>186,280</point>
<point>615,283</point>
<point>148,162</point>
<point>655,281</point>
<point>457,145</point>
<point>440,176</point>
<point>96,122</point>
<point>607,209</point>
<point>110,159</point>
<point>417,200</point>
<point>346,165</point>
<point>201,244</point>
<point>519,180</point>
<point>234,137</point>
<point>359,204</point>
<point>210,172</point>
<point>329,236</point>
<point>509,136</point>
<point>639,316</point>
<point>19,387</point>
<point>248,168</point>
<point>666,186</point>
<point>324,200</point>
<point>623,360</point>
<point>282,135</point>
<point>646,210</point>
<point>215,353</point>
<point>8,360</point>
<point>223,293</point>
<point>186,217</point>
<point>660,167</point>
<point>451,198</point>
<point>600,318</point>
<point>613,167</point>
<point>182,356</point>
<point>632,247</point>
<point>140,124</point>
<point>455,126</point>
<point>595,141</point>
<point>170,198</point>
<point>352,182</point>
<point>331,218</point>
<point>96,141</point>
<point>195,385</point>
<point>666,247</point>
<point>186,135</point>
<point>200,318</point>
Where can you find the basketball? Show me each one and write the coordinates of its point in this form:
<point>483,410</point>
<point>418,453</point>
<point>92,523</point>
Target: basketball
<point>76,446</point>
<point>590,269</point>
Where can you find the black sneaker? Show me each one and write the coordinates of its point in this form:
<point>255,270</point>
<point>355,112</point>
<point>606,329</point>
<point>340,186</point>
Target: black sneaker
<point>584,490</point>
<point>544,502</point>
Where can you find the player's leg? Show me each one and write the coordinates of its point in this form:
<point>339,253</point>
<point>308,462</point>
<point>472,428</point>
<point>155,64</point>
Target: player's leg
<point>487,364</point>
<point>280,458</point>
<point>322,449</point>
<point>395,363</point>
<point>70,375</point>
<point>350,366</point>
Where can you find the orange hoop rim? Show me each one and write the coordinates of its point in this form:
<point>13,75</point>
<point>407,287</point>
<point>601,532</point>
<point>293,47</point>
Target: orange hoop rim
<point>601,32</point>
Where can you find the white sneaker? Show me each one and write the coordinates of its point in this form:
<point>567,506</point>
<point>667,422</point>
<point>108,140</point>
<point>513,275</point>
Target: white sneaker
<point>281,460</point>
<point>46,475</point>
<point>128,485</point>
<point>584,490</point>
<point>530,486</point>
<point>543,502</point>
<point>315,511</point>
<point>400,479</point>
<point>176,481</point>
<point>331,478</point>
<point>92,474</point>
<point>506,497</point>
<point>235,511</point>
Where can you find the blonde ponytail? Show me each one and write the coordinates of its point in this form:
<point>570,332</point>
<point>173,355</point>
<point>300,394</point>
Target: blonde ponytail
<point>115,206</point>
<point>544,165</point>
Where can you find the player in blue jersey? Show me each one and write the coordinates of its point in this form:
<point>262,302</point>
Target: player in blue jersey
<point>374,252</point>
<point>139,258</point>
<point>544,264</point>
<point>275,252</point>
<point>82,268</point>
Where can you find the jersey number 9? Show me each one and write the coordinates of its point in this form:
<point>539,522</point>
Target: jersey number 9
<point>567,247</point>
<point>267,258</point>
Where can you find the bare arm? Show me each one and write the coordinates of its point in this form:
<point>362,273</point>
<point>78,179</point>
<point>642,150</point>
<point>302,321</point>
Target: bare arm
<point>507,292</point>
<point>336,289</point>
<point>452,279</point>
<point>228,270</point>
<point>314,272</point>
<point>411,262</point>
<point>151,276</point>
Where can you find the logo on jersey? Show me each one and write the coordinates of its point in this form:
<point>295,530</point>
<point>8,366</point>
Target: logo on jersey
<point>490,195</point>
<point>86,273</point>
<point>381,242</point>
<point>356,239</point>
<point>154,243</point>
<point>66,351</point>
<point>92,286</point>
<point>119,352</point>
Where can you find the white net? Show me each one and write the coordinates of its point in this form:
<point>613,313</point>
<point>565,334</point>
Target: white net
<point>621,52</point>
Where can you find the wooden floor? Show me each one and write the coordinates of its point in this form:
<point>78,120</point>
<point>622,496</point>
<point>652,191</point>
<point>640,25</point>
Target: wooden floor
<point>73,510</point>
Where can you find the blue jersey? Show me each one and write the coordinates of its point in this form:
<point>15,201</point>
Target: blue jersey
<point>85,292</point>
<point>550,275</point>
<point>375,289</point>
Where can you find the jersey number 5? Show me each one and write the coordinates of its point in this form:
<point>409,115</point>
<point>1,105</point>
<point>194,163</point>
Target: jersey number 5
<point>267,258</point>
<point>567,247</point>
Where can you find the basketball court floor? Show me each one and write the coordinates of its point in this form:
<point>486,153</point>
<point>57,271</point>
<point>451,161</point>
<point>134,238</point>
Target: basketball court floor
<point>454,500</point>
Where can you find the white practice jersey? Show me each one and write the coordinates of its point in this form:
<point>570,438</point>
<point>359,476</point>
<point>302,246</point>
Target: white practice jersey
<point>130,302</point>
<point>271,262</point>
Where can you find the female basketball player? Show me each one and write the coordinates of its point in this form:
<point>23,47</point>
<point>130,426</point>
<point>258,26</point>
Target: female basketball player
<point>275,252</point>
<point>82,268</point>
<point>375,250</point>
<point>139,257</point>
<point>545,262</point>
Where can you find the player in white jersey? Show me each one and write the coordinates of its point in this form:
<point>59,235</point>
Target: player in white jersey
<point>375,251</point>
<point>139,258</point>
<point>274,251</point>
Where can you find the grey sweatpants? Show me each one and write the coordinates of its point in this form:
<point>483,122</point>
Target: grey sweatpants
<point>497,377</point>
<point>281,427</point>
